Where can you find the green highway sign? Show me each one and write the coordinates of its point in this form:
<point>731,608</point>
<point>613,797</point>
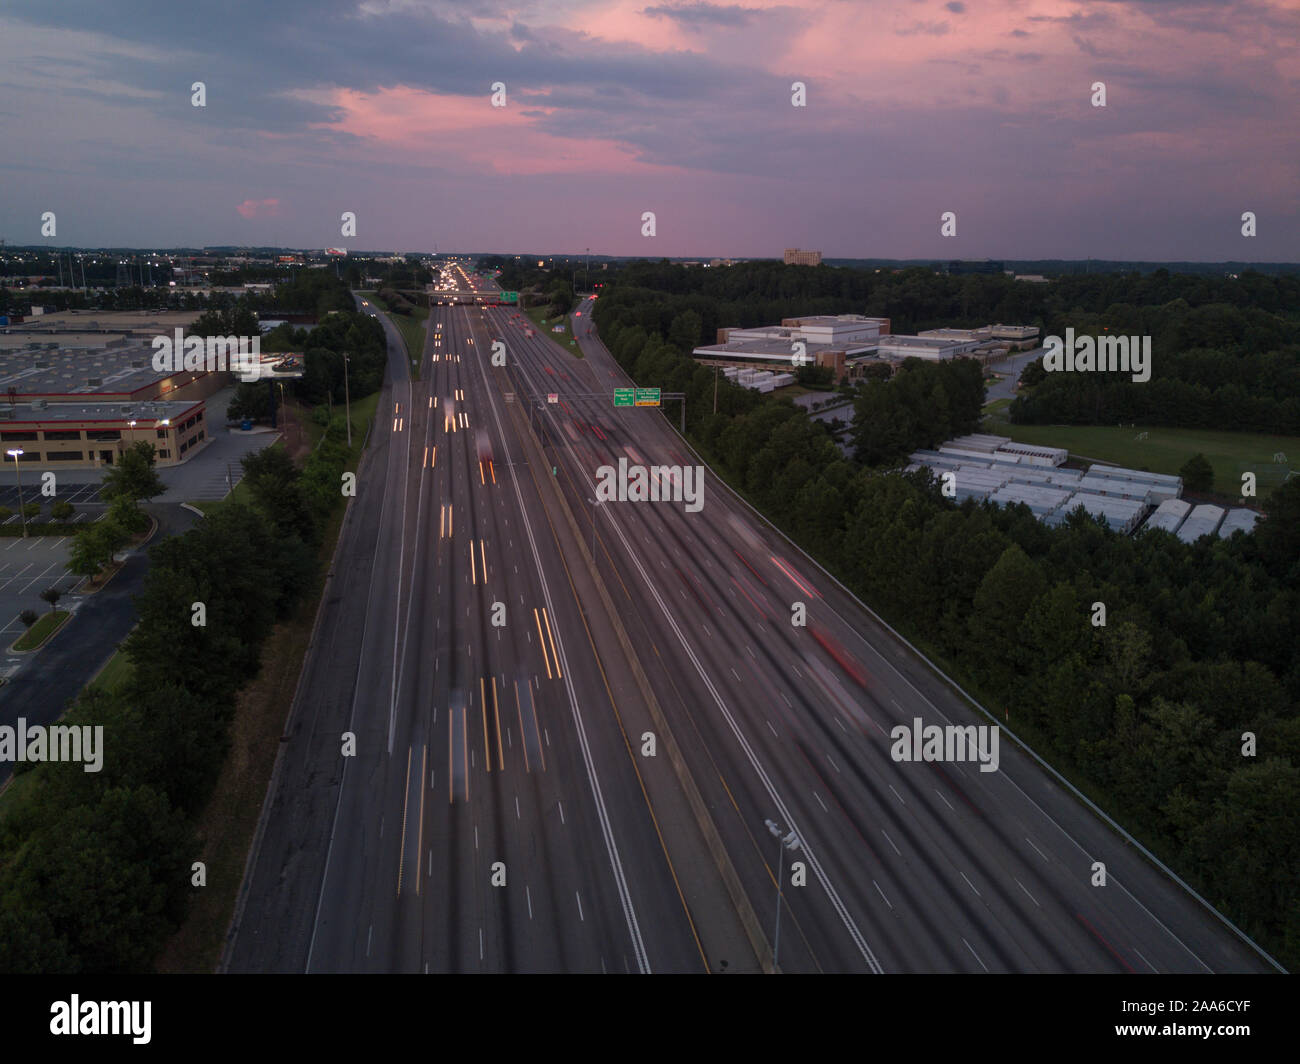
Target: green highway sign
<point>509,297</point>
<point>647,397</point>
<point>624,397</point>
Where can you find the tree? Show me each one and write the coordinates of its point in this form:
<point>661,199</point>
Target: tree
<point>1197,474</point>
<point>127,515</point>
<point>31,510</point>
<point>29,617</point>
<point>133,475</point>
<point>62,510</point>
<point>91,549</point>
<point>52,596</point>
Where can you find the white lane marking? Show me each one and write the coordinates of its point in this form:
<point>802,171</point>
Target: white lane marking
<point>945,800</point>
<point>1145,961</point>
<point>833,764</point>
<point>1037,850</point>
<point>881,893</point>
<point>975,955</point>
<point>820,802</point>
<point>891,842</point>
<point>1031,897</point>
<point>528,895</point>
<point>580,916</point>
<point>969,883</point>
<point>896,794</point>
<point>561,805</point>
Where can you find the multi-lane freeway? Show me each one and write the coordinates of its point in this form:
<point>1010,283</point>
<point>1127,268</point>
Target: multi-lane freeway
<point>571,723</point>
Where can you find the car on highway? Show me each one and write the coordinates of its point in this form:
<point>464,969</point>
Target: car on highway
<point>841,656</point>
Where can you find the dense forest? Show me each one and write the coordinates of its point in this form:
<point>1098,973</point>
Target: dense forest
<point>1201,642</point>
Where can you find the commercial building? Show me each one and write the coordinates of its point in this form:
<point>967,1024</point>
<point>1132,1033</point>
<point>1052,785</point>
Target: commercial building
<point>798,257</point>
<point>983,333</point>
<point>933,349</point>
<point>95,433</point>
<point>79,391</point>
<point>842,343</point>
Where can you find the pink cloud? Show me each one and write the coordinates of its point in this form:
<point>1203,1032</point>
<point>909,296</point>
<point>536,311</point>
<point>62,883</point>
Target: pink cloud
<point>262,208</point>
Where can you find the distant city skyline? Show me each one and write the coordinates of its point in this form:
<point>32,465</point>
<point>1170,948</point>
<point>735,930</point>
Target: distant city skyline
<point>913,108</point>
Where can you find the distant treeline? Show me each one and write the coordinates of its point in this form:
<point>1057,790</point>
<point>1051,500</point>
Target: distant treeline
<point>1201,642</point>
<point>1224,365</point>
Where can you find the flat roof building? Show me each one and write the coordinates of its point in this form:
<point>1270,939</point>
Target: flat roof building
<point>931,348</point>
<point>798,257</point>
<point>1169,515</point>
<point>1204,520</point>
<point>1238,519</point>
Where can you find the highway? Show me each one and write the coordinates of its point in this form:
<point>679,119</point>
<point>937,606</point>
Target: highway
<point>501,812</point>
<point>495,815</point>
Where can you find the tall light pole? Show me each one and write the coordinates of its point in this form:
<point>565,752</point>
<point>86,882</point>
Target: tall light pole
<point>789,842</point>
<point>14,454</point>
<point>347,401</point>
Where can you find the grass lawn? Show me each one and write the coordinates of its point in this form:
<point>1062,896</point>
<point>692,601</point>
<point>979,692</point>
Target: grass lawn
<point>536,314</point>
<point>41,630</point>
<point>113,675</point>
<point>412,329</point>
<point>995,407</point>
<point>1167,450</point>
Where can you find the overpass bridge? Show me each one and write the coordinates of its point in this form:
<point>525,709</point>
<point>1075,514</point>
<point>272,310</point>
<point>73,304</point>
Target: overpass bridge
<point>471,297</point>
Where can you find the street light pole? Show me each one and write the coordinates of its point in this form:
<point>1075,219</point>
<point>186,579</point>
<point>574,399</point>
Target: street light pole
<point>789,842</point>
<point>14,453</point>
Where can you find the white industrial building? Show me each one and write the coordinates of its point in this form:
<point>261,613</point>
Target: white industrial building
<point>1169,515</point>
<point>1238,520</point>
<point>1204,520</point>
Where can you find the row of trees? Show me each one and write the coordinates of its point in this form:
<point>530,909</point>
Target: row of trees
<point>924,404</point>
<point>95,868</point>
<point>1199,646</point>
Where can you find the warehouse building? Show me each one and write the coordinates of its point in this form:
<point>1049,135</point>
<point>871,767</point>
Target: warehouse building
<point>1169,515</point>
<point>1204,520</point>
<point>1238,519</point>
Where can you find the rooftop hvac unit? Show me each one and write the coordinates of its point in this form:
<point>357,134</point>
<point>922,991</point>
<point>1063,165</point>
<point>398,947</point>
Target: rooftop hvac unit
<point>41,404</point>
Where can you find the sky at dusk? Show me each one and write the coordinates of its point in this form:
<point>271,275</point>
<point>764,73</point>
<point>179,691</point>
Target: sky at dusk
<point>617,107</point>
